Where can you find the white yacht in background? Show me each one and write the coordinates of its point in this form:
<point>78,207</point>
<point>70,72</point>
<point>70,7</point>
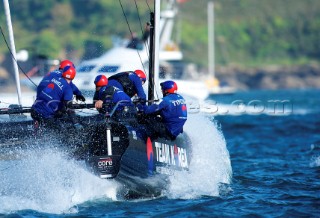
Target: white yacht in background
<point>127,57</point>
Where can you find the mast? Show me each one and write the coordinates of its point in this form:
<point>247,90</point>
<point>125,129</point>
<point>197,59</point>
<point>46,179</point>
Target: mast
<point>154,51</point>
<point>13,48</point>
<point>156,44</point>
<point>211,39</point>
<point>151,61</point>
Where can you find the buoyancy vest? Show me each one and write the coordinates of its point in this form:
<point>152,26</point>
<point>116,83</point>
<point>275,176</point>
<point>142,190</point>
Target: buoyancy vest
<point>104,93</point>
<point>127,84</point>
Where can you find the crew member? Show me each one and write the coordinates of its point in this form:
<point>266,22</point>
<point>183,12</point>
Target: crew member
<point>131,83</point>
<point>136,42</point>
<point>167,118</point>
<point>107,96</point>
<point>58,73</point>
<point>52,101</point>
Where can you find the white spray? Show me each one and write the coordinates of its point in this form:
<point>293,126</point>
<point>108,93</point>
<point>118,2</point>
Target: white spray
<point>48,181</point>
<point>210,165</point>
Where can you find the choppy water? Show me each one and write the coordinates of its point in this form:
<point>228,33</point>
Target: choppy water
<point>251,158</point>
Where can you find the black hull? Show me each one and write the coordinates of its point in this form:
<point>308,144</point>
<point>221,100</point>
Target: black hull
<point>141,165</point>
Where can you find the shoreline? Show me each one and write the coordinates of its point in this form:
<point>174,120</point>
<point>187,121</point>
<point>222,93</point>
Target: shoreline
<point>271,77</point>
<point>241,78</point>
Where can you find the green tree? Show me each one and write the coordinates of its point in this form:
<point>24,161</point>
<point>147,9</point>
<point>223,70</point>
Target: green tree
<point>47,44</point>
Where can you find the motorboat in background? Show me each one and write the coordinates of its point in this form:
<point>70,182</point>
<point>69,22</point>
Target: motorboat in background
<point>124,57</point>
<point>129,56</point>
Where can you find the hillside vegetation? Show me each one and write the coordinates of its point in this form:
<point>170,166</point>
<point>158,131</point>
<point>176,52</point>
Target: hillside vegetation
<point>247,32</point>
<point>255,32</point>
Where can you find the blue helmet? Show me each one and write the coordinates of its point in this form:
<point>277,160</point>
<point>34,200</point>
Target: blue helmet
<point>169,86</point>
<point>101,80</point>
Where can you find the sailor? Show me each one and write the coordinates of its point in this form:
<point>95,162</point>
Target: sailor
<point>136,42</point>
<point>167,118</point>
<point>131,83</point>
<point>58,73</point>
<point>107,96</point>
<point>52,101</point>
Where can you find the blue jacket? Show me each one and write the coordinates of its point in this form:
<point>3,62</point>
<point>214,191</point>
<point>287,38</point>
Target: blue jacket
<point>110,94</point>
<point>55,74</point>
<point>55,91</point>
<point>135,82</point>
<point>173,111</point>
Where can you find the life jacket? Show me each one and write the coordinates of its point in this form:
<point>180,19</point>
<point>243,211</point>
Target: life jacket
<point>127,84</point>
<point>104,93</point>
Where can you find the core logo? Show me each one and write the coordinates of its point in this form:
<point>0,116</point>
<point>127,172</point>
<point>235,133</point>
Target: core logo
<point>105,162</point>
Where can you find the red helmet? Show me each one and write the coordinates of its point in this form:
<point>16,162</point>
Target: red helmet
<point>169,86</point>
<point>69,72</point>
<point>101,80</point>
<point>65,63</point>
<point>141,74</point>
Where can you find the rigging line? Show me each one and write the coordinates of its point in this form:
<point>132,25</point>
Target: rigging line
<point>4,38</point>
<point>145,43</point>
<point>154,85</point>
<point>147,50</point>
<point>125,16</point>
<point>148,5</point>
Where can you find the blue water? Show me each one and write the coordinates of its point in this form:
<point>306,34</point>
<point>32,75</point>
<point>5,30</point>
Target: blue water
<point>249,161</point>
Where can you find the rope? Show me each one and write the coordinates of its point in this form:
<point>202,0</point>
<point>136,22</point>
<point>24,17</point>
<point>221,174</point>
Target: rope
<point>4,38</point>
<point>145,43</point>
<point>148,5</point>
<point>125,16</point>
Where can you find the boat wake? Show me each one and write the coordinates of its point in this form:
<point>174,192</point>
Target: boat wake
<point>210,166</point>
<point>48,180</point>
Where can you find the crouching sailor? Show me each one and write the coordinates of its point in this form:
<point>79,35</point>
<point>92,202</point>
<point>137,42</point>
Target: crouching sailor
<point>131,83</point>
<point>58,73</point>
<point>107,96</point>
<point>52,101</point>
<point>167,118</point>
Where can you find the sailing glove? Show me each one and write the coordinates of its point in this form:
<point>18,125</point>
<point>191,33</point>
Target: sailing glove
<point>80,98</point>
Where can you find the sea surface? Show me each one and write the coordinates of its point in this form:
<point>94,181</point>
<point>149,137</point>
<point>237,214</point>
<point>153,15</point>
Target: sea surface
<point>256,154</point>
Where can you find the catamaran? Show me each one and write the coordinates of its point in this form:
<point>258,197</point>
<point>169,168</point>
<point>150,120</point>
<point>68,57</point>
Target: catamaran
<point>115,145</point>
